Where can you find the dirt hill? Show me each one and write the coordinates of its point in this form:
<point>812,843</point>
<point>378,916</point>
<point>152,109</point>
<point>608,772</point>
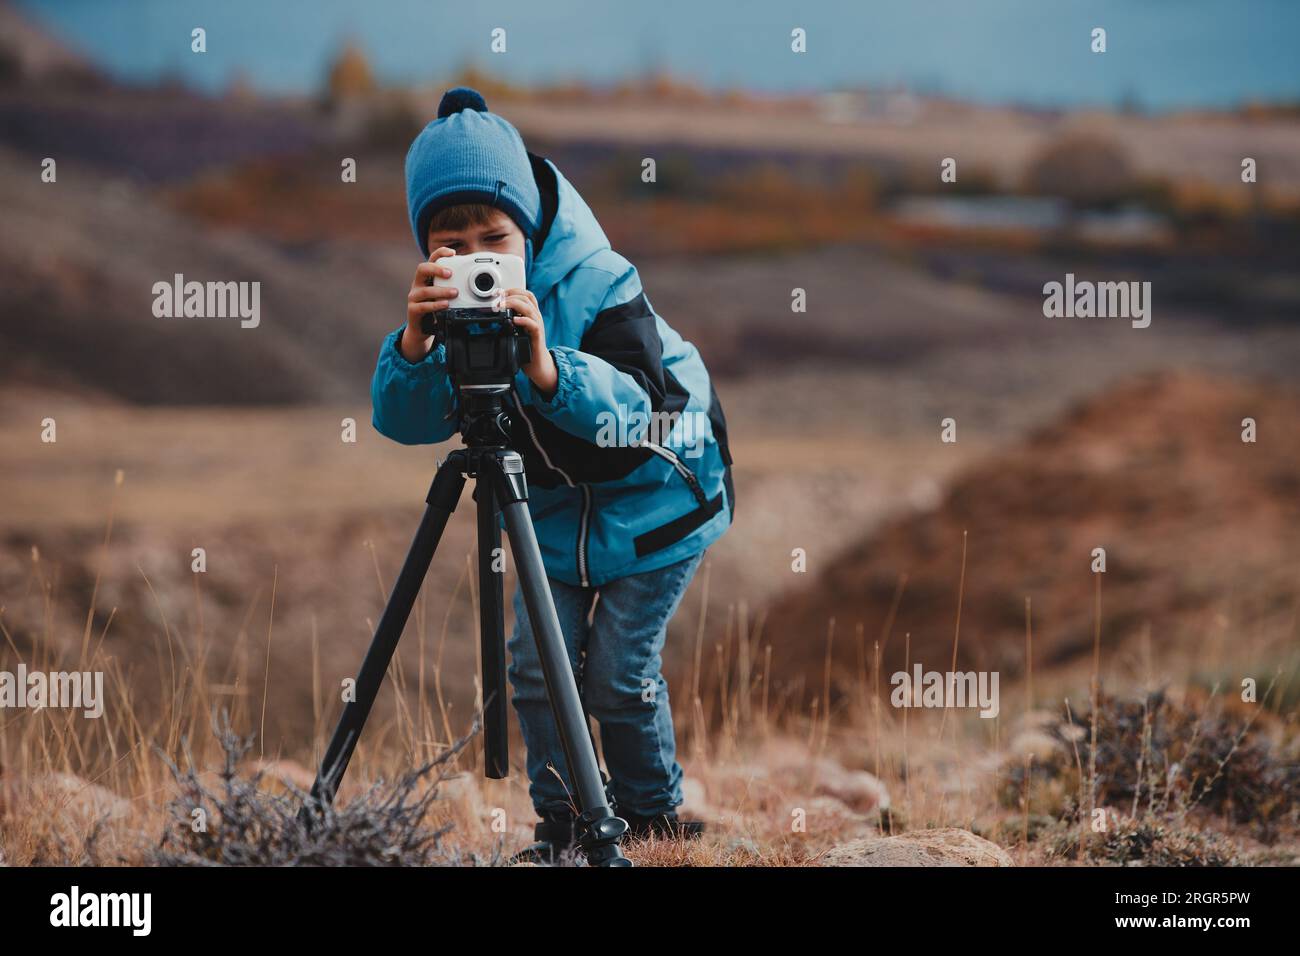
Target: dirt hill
<point>30,53</point>
<point>1200,532</point>
<point>78,262</point>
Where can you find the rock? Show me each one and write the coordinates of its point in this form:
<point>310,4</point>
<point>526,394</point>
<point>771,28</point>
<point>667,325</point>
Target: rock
<point>862,791</point>
<point>795,769</point>
<point>67,797</point>
<point>72,818</point>
<point>743,845</point>
<point>828,813</point>
<point>1039,743</point>
<point>945,847</point>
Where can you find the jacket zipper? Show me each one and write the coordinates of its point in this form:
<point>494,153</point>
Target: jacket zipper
<point>538,445</point>
<point>687,475</point>
<point>584,528</point>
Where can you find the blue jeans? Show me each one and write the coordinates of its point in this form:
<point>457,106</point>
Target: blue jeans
<point>616,659</point>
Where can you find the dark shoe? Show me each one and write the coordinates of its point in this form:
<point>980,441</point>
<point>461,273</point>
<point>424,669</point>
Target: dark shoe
<point>555,841</point>
<point>662,825</point>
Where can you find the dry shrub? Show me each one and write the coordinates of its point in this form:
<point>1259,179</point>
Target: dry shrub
<point>247,825</point>
<point>1144,842</point>
<point>1160,759</point>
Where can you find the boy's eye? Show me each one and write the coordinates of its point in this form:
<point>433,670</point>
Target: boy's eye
<point>496,237</point>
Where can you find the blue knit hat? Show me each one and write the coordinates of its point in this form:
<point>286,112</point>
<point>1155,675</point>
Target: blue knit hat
<point>469,155</point>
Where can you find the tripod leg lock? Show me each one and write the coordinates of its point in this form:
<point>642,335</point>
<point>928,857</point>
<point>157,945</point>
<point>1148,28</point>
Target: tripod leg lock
<point>598,834</point>
<point>448,482</point>
<point>508,478</point>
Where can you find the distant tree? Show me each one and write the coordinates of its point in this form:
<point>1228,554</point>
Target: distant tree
<point>240,87</point>
<point>1085,168</point>
<point>472,74</point>
<point>349,75</point>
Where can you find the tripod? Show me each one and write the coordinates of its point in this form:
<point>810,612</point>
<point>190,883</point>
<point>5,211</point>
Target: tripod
<point>500,488</point>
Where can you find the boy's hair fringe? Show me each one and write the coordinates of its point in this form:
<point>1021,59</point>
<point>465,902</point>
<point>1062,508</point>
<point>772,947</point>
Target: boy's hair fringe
<point>462,216</point>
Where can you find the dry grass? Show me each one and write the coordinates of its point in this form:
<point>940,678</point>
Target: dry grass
<point>123,789</point>
<point>780,778</point>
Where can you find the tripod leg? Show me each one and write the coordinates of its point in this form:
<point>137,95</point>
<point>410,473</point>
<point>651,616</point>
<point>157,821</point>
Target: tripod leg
<point>443,495</point>
<point>599,829</point>
<point>492,636</point>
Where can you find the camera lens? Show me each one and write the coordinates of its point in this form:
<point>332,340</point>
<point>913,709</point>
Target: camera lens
<point>483,282</point>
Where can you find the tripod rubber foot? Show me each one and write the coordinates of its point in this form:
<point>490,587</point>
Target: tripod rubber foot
<point>601,831</point>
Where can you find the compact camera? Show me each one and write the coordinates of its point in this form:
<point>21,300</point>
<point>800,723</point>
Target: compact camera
<point>481,278</point>
<point>484,348</point>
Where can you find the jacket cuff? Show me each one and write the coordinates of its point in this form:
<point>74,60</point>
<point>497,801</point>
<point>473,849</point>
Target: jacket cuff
<point>423,370</point>
<point>564,382</point>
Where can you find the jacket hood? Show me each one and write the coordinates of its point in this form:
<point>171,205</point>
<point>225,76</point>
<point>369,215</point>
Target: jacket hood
<point>569,233</point>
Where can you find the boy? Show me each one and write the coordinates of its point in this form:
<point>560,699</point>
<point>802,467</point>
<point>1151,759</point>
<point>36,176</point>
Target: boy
<point>619,513</point>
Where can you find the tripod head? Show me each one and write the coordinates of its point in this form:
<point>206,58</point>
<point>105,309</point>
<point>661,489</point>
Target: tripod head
<point>485,349</point>
<point>484,423</point>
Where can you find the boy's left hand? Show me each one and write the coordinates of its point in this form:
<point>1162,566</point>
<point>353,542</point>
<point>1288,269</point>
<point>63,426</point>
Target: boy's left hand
<point>541,371</point>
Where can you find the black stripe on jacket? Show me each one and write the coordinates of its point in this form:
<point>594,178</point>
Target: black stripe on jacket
<point>627,337</point>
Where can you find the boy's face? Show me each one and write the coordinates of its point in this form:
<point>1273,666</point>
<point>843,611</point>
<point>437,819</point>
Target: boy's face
<point>500,234</point>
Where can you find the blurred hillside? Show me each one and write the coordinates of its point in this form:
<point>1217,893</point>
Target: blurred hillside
<point>78,261</point>
<point>32,56</point>
<point>1199,530</point>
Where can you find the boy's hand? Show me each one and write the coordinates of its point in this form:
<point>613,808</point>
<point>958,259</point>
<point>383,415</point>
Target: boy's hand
<point>541,370</point>
<point>423,299</point>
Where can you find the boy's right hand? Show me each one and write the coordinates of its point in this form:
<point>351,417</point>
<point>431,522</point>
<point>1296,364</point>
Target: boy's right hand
<point>423,299</point>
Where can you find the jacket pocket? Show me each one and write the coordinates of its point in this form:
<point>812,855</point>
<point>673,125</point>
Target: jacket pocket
<point>656,539</point>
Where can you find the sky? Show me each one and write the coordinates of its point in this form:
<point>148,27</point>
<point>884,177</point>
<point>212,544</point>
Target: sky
<point>1161,54</point>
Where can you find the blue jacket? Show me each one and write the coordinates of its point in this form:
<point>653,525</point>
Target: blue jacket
<point>628,466</point>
